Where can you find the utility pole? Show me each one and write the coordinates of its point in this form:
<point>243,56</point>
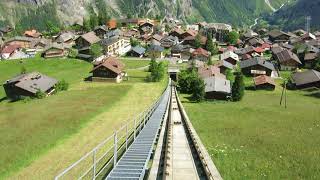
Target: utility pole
<point>308,22</point>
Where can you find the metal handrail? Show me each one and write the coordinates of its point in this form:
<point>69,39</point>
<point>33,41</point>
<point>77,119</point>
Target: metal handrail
<point>138,122</point>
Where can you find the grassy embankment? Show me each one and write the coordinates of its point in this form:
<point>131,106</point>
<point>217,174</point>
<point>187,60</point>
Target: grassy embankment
<point>259,139</point>
<point>39,138</point>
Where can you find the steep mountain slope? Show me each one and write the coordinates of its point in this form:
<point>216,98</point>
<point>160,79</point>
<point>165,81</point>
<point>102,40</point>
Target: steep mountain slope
<point>237,12</point>
<point>294,15</point>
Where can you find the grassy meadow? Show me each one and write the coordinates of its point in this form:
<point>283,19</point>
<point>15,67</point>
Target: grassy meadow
<point>259,139</point>
<point>39,138</point>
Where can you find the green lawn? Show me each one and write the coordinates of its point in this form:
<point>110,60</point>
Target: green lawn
<point>258,139</point>
<point>134,64</point>
<point>32,130</point>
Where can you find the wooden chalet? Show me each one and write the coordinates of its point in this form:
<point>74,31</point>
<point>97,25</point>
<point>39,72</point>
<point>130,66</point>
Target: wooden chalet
<point>264,82</point>
<point>287,60</point>
<point>230,57</point>
<point>200,54</point>
<point>257,66</point>
<point>109,70</point>
<point>307,79</point>
<point>217,88</point>
<point>86,40</point>
<point>28,85</point>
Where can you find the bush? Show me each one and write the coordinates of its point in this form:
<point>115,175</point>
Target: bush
<point>95,50</point>
<point>157,72</point>
<point>190,83</point>
<point>73,53</point>
<point>23,70</point>
<point>233,37</point>
<point>62,86</point>
<point>40,95</point>
<point>238,87</point>
<point>198,89</point>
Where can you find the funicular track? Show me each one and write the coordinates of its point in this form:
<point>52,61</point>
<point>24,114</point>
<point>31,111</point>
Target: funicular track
<point>166,147</point>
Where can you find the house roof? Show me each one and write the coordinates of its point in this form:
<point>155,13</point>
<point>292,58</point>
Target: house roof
<point>310,76</point>
<point>57,46</point>
<point>229,54</point>
<point>109,41</point>
<point>177,30</point>
<point>255,41</point>
<point>90,37</point>
<point>263,79</point>
<point>64,37</point>
<point>32,33</point>
<point>157,37</point>
<point>310,56</point>
<point>112,64</point>
<point>287,55</point>
<point>224,64</point>
<point>257,61</point>
<point>208,71</point>
<point>276,49</point>
<point>276,33</point>
<point>245,50</point>
<point>250,34</point>
<point>217,84</point>
<point>190,32</point>
<point>103,27</point>
<point>200,51</point>
<point>155,48</point>
<point>196,63</point>
<point>138,49</point>
<point>33,82</point>
<point>21,38</point>
<point>10,49</point>
<point>308,35</point>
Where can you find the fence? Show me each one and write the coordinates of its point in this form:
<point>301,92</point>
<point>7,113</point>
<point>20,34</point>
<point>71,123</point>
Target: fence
<point>97,163</point>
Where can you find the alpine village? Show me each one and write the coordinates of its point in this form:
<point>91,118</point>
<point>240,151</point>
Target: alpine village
<point>246,99</point>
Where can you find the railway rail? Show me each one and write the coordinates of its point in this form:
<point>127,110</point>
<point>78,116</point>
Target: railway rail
<point>162,145</point>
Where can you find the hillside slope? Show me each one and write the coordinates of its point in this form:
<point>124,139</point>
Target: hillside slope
<point>237,12</point>
<point>294,16</point>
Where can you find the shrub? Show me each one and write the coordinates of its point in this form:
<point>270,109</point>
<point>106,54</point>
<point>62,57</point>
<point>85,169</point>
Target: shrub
<point>95,50</point>
<point>40,95</point>
<point>23,70</point>
<point>198,89</point>
<point>238,87</point>
<point>157,72</point>
<point>233,37</point>
<point>73,53</point>
<point>62,86</point>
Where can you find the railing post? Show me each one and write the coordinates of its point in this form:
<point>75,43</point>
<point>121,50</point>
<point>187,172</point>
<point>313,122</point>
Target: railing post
<point>134,128</point>
<point>94,164</point>
<point>127,136</point>
<point>115,154</point>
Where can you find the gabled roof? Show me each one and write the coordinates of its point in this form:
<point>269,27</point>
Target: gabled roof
<point>200,51</point>
<point>276,33</point>
<point>263,79</point>
<point>112,64</point>
<point>229,54</point>
<point>306,77</point>
<point>257,61</point>
<point>250,34</point>
<point>224,64</point>
<point>138,49</point>
<point>109,41</point>
<point>10,49</point>
<point>90,37</point>
<point>308,35</point>
<point>57,46</point>
<point>287,55</point>
<point>311,56</point>
<point>155,48</point>
<point>208,71</point>
<point>33,82</point>
<point>64,37</point>
<point>217,84</point>
<point>103,27</point>
<point>177,30</point>
<point>32,33</point>
<point>157,37</point>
